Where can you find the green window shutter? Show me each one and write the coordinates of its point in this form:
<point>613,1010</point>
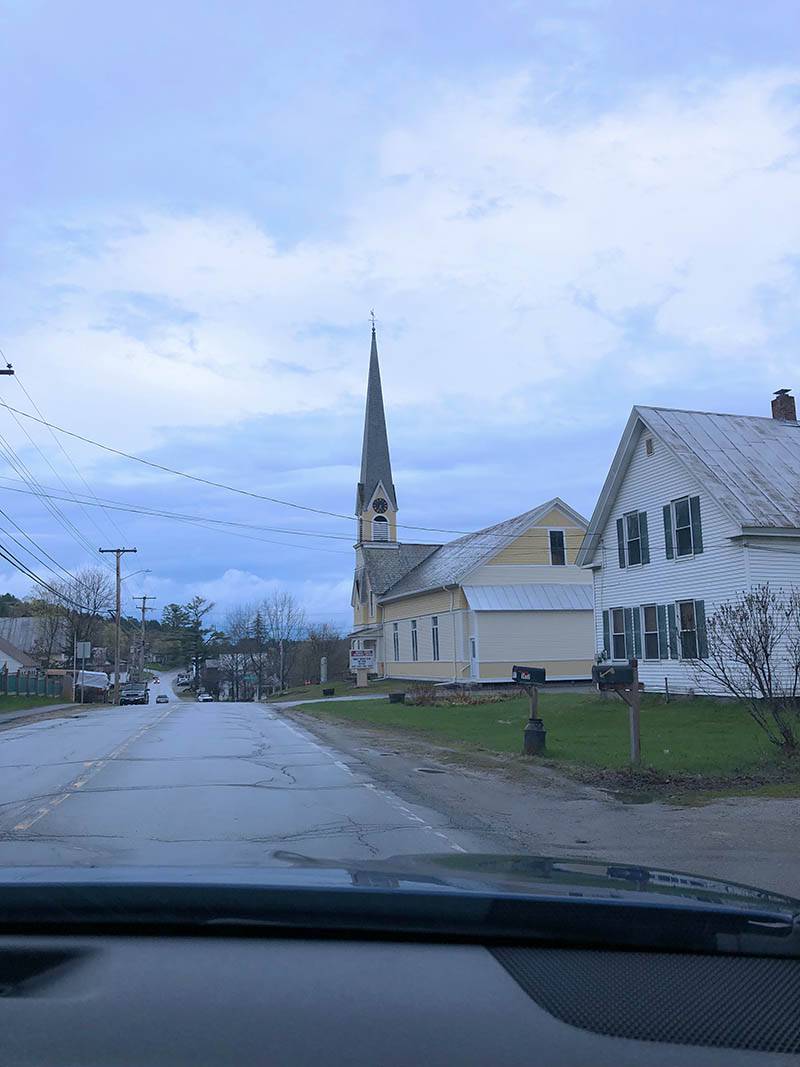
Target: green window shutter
<point>697,526</point>
<point>606,634</point>
<point>668,531</point>
<point>700,623</point>
<point>637,633</point>
<point>663,645</point>
<point>643,534</point>
<point>620,543</point>
<point>628,616</point>
<point>672,628</point>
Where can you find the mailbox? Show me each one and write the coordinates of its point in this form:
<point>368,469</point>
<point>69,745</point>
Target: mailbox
<point>528,675</point>
<point>608,676</point>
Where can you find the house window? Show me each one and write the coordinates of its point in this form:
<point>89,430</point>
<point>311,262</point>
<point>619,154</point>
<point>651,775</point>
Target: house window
<point>688,629</point>
<point>396,641</point>
<point>633,539</point>
<point>648,446</point>
<point>683,527</point>
<point>558,554</point>
<point>435,636</point>
<point>414,644</point>
<point>380,528</point>
<point>618,647</point>
<point>650,628</point>
<point>371,603</point>
<point>683,517</point>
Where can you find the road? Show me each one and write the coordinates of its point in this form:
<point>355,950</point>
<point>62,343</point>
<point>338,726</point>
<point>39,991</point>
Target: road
<point>184,783</point>
<point>225,785</point>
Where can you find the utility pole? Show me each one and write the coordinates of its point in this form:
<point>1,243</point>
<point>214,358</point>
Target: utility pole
<point>144,609</point>
<point>118,552</point>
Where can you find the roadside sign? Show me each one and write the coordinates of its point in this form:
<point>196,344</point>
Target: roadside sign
<point>83,649</point>
<point>252,678</point>
<point>362,659</point>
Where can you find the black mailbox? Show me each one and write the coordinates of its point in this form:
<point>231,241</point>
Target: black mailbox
<point>606,676</point>
<point>528,675</point>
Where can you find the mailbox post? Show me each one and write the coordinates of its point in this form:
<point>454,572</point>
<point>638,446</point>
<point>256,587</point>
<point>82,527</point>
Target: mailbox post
<point>625,682</point>
<point>534,735</point>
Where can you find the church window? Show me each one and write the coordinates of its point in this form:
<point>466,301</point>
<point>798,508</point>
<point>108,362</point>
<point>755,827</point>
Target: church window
<point>380,528</point>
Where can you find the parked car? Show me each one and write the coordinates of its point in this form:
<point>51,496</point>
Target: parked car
<point>162,698</point>
<point>204,698</point>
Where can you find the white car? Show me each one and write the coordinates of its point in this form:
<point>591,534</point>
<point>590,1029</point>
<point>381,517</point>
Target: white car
<point>204,698</point>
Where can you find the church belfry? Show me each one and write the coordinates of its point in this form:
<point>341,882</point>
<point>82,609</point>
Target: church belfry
<point>376,501</point>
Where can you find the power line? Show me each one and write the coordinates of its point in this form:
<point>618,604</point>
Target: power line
<point>66,454</point>
<point>209,481</point>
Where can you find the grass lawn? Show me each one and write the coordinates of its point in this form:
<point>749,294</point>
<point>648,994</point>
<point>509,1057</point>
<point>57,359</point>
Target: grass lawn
<point>694,737</point>
<point>12,703</point>
<point>343,689</point>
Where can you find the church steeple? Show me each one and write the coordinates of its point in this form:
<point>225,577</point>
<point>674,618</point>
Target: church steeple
<point>376,501</point>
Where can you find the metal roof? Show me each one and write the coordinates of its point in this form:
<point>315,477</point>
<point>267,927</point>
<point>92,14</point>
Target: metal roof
<point>540,597</point>
<point>25,631</point>
<point>449,564</point>
<point>749,464</point>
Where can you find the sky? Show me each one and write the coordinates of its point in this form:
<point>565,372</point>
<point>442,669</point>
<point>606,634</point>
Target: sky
<point>557,210</point>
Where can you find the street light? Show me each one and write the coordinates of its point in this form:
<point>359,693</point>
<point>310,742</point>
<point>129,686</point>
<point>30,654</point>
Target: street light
<point>144,570</point>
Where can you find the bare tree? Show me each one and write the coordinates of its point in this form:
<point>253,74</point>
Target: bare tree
<point>754,655</point>
<point>51,626</point>
<point>285,626</point>
<point>323,639</point>
<point>237,628</point>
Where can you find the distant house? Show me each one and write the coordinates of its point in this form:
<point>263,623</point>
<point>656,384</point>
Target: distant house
<point>465,611</point>
<point>696,507</point>
<point>15,659</point>
<point>42,639</point>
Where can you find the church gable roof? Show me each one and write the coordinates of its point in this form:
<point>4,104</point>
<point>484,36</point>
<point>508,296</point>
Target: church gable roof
<point>385,566</point>
<point>451,563</point>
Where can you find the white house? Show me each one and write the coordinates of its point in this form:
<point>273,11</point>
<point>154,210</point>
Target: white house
<point>696,507</point>
<point>468,610</point>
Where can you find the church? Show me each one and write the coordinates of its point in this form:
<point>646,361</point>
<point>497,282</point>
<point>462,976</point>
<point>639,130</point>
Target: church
<point>468,610</point>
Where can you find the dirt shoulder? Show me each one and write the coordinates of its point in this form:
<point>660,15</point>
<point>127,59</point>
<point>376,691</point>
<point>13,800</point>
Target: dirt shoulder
<point>537,810</point>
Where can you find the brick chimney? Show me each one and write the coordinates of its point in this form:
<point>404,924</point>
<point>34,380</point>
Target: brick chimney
<point>783,406</point>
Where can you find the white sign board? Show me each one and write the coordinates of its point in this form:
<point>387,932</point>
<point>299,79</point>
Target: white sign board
<point>83,649</point>
<point>362,659</point>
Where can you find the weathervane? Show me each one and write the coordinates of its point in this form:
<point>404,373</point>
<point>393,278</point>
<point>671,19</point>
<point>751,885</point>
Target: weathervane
<point>372,316</point>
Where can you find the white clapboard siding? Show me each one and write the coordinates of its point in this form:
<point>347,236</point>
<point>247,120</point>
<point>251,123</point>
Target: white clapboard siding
<point>712,576</point>
<point>533,635</point>
<point>775,562</point>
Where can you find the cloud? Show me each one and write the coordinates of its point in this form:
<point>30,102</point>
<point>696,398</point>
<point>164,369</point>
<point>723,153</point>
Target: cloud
<point>500,251</point>
<point>532,277</point>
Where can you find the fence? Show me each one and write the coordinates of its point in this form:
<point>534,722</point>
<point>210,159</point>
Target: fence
<point>30,683</point>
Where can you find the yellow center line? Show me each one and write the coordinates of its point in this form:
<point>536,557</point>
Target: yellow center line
<point>95,766</point>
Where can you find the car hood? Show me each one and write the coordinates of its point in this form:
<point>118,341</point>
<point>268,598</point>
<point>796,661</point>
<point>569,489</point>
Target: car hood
<point>517,875</point>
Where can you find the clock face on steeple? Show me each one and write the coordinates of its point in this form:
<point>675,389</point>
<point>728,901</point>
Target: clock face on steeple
<point>380,505</point>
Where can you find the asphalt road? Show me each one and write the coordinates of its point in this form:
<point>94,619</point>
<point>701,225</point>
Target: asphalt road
<point>186,783</point>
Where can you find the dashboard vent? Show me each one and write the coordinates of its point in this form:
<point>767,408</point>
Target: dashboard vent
<point>737,1002</point>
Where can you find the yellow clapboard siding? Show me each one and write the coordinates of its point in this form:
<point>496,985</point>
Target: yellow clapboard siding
<point>411,607</point>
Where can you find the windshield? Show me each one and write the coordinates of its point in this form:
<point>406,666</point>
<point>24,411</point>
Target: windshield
<point>399,459</point>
